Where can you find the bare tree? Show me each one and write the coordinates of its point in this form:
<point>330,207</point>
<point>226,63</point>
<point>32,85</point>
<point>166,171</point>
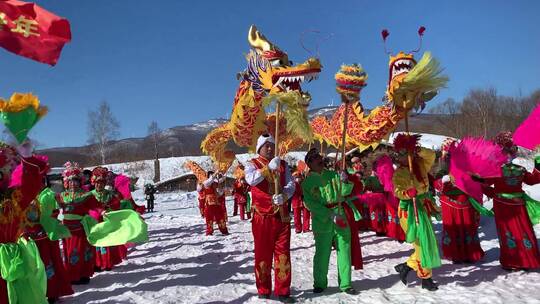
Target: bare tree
<point>155,134</point>
<point>449,116</point>
<point>102,128</point>
<point>484,113</point>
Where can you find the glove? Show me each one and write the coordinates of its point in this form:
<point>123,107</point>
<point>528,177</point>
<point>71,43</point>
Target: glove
<point>344,176</point>
<point>446,179</point>
<point>278,199</point>
<point>274,163</point>
<point>339,221</point>
<point>411,192</point>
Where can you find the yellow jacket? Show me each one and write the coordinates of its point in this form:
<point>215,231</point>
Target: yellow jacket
<point>403,179</point>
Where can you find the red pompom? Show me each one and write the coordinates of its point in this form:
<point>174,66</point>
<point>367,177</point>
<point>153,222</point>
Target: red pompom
<point>421,31</point>
<point>385,33</point>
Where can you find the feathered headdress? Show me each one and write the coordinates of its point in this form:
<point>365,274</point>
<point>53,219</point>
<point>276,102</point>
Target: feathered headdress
<point>72,171</point>
<point>410,144</point>
<point>350,80</point>
<point>99,174</point>
<point>407,142</point>
<point>504,139</point>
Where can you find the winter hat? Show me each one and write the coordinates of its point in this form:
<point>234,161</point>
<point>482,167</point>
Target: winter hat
<point>263,139</point>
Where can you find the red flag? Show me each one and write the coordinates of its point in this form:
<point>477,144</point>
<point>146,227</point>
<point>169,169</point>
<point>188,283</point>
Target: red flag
<point>30,31</point>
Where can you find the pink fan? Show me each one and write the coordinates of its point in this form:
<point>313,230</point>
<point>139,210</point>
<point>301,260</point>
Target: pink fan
<point>475,156</point>
<point>121,183</point>
<point>385,171</point>
<point>527,134</point>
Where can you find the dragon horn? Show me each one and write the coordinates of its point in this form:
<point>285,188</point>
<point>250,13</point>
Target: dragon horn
<point>258,41</point>
<point>421,31</point>
<point>385,33</point>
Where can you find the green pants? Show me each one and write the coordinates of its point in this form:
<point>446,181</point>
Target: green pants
<point>323,248</point>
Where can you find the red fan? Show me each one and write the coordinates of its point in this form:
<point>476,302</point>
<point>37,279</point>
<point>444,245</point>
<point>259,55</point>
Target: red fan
<point>475,156</point>
<point>527,134</point>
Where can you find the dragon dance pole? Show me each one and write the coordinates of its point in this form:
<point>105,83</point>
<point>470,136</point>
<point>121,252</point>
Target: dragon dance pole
<point>277,187</point>
<point>344,136</point>
<point>410,159</point>
<point>343,144</point>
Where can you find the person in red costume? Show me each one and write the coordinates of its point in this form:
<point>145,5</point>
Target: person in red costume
<point>240,191</point>
<point>214,197</point>
<point>201,198</point>
<point>356,179</point>
<point>270,226</point>
<point>106,257</point>
<point>460,219</point>
<point>517,241</point>
<point>58,284</point>
<point>79,255</point>
<point>302,216</point>
<point>376,201</point>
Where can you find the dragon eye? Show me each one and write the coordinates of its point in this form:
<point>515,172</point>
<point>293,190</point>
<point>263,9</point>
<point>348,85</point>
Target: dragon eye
<point>276,62</point>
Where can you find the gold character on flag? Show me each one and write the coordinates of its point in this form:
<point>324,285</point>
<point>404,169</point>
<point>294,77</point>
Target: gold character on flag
<point>26,27</point>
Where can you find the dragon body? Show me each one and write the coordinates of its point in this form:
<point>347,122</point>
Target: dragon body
<point>410,86</point>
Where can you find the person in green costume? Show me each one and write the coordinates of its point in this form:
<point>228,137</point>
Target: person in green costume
<point>329,222</point>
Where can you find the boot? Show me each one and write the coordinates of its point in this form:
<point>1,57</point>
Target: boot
<point>429,284</point>
<point>403,270</point>
<point>351,291</point>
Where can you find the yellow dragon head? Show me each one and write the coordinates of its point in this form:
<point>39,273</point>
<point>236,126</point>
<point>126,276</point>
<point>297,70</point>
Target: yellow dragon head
<point>269,69</point>
<point>269,73</point>
<point>399,67</point>
<point>410,83</point>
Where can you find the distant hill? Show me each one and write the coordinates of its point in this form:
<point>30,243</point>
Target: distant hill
<point>186,140</point>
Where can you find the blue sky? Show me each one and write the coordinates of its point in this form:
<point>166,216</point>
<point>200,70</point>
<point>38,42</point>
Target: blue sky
<point>175,61</point>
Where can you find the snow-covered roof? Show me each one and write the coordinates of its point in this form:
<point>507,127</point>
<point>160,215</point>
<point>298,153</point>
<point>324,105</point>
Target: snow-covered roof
<point>429,141</point>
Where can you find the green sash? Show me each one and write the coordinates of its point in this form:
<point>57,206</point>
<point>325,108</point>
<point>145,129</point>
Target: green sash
<point>533,206</point>
<point>423,232</point>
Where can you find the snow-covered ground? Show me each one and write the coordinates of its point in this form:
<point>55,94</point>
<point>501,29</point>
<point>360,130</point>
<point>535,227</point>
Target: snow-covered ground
<point>181,265</point>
